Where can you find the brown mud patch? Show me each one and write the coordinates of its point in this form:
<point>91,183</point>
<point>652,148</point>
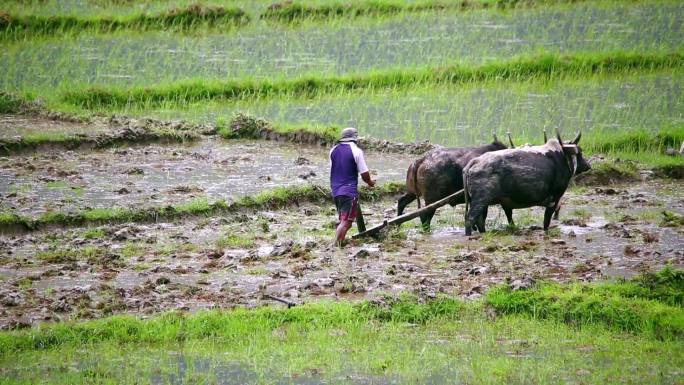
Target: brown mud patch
<point>243,260</point>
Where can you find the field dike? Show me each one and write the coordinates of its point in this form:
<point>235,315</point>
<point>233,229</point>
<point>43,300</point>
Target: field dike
<point>121,131</point>
<point>275,198</point>
<point>178,19</point>
<point>540,67</point>
<point>244,126</point>
<point>288,11</point>
<point>649,306</point>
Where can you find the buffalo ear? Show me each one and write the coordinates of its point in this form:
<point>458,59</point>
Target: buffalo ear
<point>577,138</point>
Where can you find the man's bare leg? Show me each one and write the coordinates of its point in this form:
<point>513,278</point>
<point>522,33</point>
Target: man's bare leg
<point>341,232</point>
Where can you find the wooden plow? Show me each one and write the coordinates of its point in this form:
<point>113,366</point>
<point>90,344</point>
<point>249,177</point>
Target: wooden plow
<point>396,221</point>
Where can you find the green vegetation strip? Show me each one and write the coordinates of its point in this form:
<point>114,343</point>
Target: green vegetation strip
<point>278,197</point>
<point>650,306</point>
<point>541,67</point>
<point>288,11</point>
<point>176,19</point>
<point>637,148</point>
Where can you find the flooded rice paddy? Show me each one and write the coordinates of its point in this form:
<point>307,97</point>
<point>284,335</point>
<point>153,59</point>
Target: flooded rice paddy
<point>239,259</point>
<point>278,51</point>
<point>159,175</point>
<point>13,126</point>
<point>466,115</point>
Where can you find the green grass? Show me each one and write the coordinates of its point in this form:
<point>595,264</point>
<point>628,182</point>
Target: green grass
<point>179,19</point>
<point>400,338</point>
<point>670,219</point>
<point>96,233</point>
<point>70,255</point>
<point>10,103</point>
<point>235,240</point>
<point>248,127</point>
<point>650,305</point>
<point>542,67</point>
<point>287,11</point>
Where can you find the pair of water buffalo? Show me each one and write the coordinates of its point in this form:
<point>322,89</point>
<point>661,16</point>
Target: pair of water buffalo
<point>494,174</point>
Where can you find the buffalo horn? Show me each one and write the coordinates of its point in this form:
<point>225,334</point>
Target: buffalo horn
<point>495,138</point>
<point>559,138</point>
<point>577,137</point>
<point>546,139</point>
<point>509,139</point>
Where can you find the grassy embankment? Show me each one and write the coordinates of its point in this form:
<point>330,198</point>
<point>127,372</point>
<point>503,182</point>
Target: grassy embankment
<point>288,11</point>
<point>86,15</point>
<point>550,332</point>
<point>542,67</point>
<point>178,19</point>
<point>278,197</point>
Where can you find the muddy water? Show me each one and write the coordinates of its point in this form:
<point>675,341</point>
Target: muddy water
<point>234,260</point>
<point>12,126</point>
<point>167,174</point>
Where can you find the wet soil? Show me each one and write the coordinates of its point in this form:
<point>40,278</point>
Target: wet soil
<point>154,175</point>
<point>246,258</point>
<point>13,126</point>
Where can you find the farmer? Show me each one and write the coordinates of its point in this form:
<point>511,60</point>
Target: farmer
<point>346,163</point>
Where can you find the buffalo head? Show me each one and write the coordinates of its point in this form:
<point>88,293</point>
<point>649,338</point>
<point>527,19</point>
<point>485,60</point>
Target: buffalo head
<point>573,154</point>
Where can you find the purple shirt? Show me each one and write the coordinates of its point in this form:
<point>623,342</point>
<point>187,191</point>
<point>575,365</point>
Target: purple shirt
<point>347,163</point>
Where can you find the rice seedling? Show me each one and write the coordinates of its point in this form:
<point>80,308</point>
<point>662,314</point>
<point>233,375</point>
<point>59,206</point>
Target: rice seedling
<point>536,68</point>
<point>49,66</point>
<point>618,114</point>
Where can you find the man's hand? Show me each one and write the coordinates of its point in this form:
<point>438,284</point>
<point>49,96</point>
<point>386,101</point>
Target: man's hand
<point>366,178</point>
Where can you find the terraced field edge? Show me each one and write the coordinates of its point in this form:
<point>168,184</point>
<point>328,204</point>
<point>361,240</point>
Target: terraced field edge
<point>649,305</point>
<point>288,11</point>
<point>178,19</point>
<point>278,197</point>
<point>549,66</point>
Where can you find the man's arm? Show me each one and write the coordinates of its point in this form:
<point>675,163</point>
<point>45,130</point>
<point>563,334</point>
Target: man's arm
<point>361,164</point>
<point>367,178</point>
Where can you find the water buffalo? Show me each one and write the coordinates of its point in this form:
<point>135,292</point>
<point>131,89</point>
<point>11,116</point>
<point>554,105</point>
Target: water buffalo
<point>519,178</point>
<point>438,174</point>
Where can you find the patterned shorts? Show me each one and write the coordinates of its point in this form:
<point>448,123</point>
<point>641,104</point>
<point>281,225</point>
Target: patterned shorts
<point>347,207</point>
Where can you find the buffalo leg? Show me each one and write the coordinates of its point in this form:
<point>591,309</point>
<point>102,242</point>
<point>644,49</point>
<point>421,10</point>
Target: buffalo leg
<point>426,218</point>
<point>404,201</point>
<point>472,216</point>
<point>509,215</point>
<point>548,213</point>
<point>480,223</point>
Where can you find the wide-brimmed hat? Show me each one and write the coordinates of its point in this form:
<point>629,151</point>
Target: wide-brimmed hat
<point>349,134</point>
